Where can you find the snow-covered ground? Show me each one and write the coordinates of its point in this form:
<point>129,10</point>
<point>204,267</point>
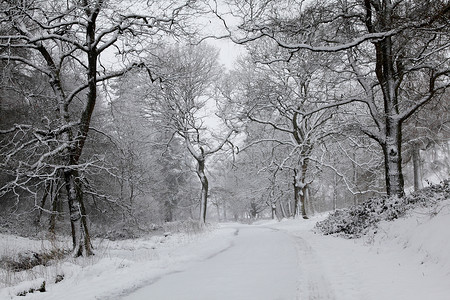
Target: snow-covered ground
<point>117,267</point>
<point>406,259</point>
<point>260,263</point>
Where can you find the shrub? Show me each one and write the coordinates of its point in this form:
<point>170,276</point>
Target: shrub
<point>30,259</point>
<point>355,221</point>
<point>32,290</point>
<point>187,226</point>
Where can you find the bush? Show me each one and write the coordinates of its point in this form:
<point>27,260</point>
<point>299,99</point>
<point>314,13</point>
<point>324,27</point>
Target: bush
<point>355,221</point>
<point>30,259</point>
<point>187,226</point>
<point>124,230</point>
<point>32,290</point>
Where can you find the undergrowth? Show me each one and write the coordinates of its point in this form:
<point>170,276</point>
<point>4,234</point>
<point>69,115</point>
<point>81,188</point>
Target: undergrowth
<point>29,259</point>
<point>187,226</point>
<point>355,221</point>
<point>41,289</point>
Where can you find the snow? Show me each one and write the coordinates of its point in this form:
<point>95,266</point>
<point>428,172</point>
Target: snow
<point>120,266</point>
<point>406,259</point>
<point>260,264</point>
<point>425,233</point>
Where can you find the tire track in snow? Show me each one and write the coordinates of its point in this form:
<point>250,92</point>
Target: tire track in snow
<point>314,282</point>
<point>260,264</point>
<point>236,233</point>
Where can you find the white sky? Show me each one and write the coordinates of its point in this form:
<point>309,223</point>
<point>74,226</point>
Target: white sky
<point>229,52</point>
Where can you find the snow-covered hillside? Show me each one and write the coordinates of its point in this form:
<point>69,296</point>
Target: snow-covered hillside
<point>408,258</point>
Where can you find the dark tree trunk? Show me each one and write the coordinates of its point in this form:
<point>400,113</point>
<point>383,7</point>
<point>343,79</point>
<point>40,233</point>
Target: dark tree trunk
<point>200,157</point>
<point>80,233</point>
<point>47,191</point>
<point>274,210</point>
<point>168,211</point>
<point>78,223</point>
<point>78,218</point>
<point>204,192</point>
<point>296,196</point>
<point>416,166</point>
<point>389,75</point>
<point>224,210</point>
<point>56,209</point>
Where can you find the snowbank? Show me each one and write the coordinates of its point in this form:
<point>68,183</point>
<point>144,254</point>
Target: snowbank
<point>117,267</point>
<point>425,232</point>
<point>406,258</point>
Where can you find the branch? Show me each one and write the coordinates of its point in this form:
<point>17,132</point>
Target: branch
<point>27,62</point>
<point>427,97</point>
<point>105,77</point>
<point>347,184</point>
<point>331,105</point>
<point>219,147</point>
<point>341,47</point>
<point>275,126</point>
<point>264,141</point>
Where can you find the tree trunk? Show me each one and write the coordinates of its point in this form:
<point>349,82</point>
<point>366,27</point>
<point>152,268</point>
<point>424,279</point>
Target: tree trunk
<point>274,208</point>
<point>56,209</point>
<point>289,208</point>
<point>204,193</point>
<point>416,166</point>
<point>78,222</point>
<point>335,181</point>
<point>299,191</point>
<point>204,199</point>
<point>334,200</point>
<point>224,210</point>
<point>80,232</point>
<point>393,160</point>
<point>300,202</point>
<point>355,178</point>
<point>47,191</point>
<point>308,201</point>
<point>168,211</point>
<point>218,211</point>
<point>392,135</point>
<point>56,204</point>
<point>282,209</point>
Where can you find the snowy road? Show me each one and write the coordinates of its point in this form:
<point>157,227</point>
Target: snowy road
<point>288,261</point>
<point>261,263</point>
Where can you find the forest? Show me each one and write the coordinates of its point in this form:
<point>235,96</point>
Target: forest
<point>118,116</point>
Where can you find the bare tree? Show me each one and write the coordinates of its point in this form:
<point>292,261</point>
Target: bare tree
<point>276,97</point>
<point>66,40</point>
<point>179,99</point>
<point>152,166</point>
<point>381,47</point>
<point>427,129</point>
